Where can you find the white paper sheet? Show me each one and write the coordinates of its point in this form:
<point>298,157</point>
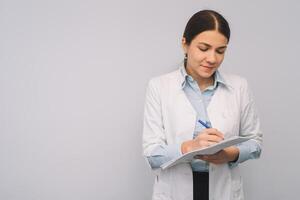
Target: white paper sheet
<point>188,157</point>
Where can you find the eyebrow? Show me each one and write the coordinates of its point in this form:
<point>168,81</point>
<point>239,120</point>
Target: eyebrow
<point>208,45</point>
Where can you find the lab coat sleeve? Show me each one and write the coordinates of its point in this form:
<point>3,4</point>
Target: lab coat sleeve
<point>153,128</point>
<point>249,123</point>
<point>155,148</point>
<point>163,154</point>
<point>249,126</point>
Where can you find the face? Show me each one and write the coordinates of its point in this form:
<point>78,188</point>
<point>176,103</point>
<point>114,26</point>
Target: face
<point>205,54</point>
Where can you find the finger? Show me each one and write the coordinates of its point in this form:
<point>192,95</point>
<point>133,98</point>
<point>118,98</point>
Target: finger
<point>210,136</point>
<point>214,138</point>
<point>207,140</point>
<point>212,157</point>
<point>207,159</point>
<point>213,131</point>
<point>217,162</point>
<point>201,157</point>
<point>216,156</point>
<point>208,143</point>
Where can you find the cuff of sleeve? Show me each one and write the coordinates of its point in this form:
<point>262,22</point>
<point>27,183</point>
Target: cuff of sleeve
<point>243,155</point>
<point>163,154</point>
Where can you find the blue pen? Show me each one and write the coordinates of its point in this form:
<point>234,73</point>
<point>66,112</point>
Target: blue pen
<point>203,124</point>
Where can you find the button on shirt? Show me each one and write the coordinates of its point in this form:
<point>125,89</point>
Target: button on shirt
<point>200,100</point>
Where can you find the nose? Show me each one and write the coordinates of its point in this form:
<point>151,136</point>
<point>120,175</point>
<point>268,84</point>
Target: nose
<point>211,57</point>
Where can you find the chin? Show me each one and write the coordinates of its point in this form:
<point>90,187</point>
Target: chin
<point>206,74</point>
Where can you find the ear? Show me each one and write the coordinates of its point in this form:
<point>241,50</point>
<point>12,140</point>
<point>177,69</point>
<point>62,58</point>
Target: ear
<point>184,45</point>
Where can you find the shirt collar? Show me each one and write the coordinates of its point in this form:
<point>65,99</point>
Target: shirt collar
<point>218,78</point>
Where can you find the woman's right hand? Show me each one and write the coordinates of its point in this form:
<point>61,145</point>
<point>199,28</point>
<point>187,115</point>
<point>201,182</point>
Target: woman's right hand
<point>205,138</point>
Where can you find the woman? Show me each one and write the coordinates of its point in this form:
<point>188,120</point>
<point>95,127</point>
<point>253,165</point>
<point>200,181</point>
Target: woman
<point>197,91</point>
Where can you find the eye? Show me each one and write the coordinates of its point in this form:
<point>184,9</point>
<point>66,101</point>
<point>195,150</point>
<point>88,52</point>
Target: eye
<point>203,49</point>
<point>220,51</point>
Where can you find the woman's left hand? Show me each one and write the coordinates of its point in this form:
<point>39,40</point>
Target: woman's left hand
<point>226,155</point>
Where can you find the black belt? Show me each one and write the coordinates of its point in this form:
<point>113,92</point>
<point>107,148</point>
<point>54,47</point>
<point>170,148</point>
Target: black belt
<point>200,185</point>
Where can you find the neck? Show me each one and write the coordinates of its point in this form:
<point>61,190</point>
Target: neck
<point>203,83</point>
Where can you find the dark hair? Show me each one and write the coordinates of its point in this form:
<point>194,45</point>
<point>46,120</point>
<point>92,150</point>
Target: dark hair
<point>206,20</point>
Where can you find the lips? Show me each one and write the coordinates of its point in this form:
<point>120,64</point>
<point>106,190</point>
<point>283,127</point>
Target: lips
<point>207,67</point>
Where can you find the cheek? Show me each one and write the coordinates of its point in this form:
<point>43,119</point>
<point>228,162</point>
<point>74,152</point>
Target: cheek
<point>220,58</point>
<point>219,61</point>
<point>197,56</point>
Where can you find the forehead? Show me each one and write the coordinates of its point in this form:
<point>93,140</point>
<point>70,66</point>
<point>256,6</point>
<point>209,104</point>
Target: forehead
<point>213,38</point>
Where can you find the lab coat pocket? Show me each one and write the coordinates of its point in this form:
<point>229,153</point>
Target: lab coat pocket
<point>237,186</point>
<point>183,182</point>
<point>237,191</point>
<point>161,190</point>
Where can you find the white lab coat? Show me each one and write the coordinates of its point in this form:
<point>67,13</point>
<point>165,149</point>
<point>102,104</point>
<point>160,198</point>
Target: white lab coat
<point>170,118</point>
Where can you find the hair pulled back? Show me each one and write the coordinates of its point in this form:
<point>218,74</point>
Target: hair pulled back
<point>205,20</point>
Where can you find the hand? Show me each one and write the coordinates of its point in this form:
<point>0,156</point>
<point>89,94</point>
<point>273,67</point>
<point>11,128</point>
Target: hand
<point>206,138</point>
<point>224,156</point>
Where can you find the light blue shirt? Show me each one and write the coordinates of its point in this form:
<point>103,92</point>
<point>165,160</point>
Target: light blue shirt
<point>200,100</point>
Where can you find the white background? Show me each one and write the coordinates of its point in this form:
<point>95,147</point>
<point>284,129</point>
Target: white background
<point>73,76</point>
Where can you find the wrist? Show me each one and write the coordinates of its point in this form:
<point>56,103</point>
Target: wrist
<point>234,154</point>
